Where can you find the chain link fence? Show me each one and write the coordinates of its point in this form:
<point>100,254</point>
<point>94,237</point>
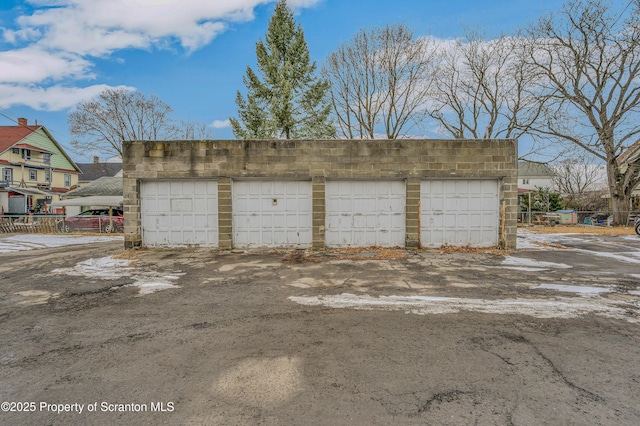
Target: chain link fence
<point>591,218</point>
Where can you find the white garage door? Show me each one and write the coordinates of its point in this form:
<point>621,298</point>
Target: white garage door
<point>179,213</point>
<point>459,212</point>
<point>272,213</point>
<point>365,213</point>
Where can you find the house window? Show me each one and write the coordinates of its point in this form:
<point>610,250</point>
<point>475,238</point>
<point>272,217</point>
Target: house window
<point>67,181</point>
<point>15,150</point>
<point>47,177</point>
<point>26,154</point>
<point>525,181</point>
<point>33,175</point>
<point>46,158</point>
<point>7,175</point>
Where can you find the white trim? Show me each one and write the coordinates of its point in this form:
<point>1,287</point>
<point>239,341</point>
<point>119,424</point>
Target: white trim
<point>95,201</point>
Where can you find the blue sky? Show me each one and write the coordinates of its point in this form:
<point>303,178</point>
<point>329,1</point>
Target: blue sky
<point>192,54</point>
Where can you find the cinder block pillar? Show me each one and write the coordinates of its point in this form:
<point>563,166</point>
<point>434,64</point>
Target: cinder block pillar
<point>509,212</point>
<point>412,214</point>
<point>132,218</point>
<point>225,219</point>
<point>319,211</point>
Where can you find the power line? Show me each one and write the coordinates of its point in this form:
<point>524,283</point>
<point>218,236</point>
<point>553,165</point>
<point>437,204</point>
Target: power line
<point>14,119</point>
<point>5,113</point>
<point>18,123</point>
<point>623,11</point>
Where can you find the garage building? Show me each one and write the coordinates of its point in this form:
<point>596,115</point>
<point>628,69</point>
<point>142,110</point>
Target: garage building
<point>315,194</point>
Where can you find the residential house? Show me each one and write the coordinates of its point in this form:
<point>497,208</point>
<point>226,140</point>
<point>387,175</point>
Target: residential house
<point>35,168</point>
<point>96,170</point>
<point>532,175</point>
<point>630,158</point>
<point>100,193</point>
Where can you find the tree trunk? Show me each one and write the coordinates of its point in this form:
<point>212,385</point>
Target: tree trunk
<point>620,204</point>
<point>620,197</point>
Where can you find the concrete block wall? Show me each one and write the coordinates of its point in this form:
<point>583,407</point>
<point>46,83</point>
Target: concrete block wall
<point>225,225</point>
<point>319,208</point>
<point>317,161</point>
<point>412,231</point>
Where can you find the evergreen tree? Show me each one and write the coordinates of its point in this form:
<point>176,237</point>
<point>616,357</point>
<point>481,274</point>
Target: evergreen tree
<point>289,102</point>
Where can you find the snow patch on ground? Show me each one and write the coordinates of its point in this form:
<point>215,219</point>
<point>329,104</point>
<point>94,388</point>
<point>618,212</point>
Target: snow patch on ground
<point>152,287</point>
<point>629,257</point>
<point>525,268</point>
<point>528,240</point>
<point>108,268</point>
<point>24,242</point>
<point>572,288</point>
<point>519,262</point>
<point>560,307</point>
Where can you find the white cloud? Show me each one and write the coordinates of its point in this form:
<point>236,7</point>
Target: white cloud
<point>33,64</point>
<point>220,124</point>
<point>60,39</point>
<point>98,27</point>
<point>298,4</point>
<point>55,98</point>
<point>25,34</point>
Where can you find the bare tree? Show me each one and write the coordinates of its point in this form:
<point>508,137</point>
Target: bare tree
<point>382,77</point>
<point>483,89</point>
<point>587,58</point>
<point>118,115</point>
<point>577,179</point>
<point>192,130</point>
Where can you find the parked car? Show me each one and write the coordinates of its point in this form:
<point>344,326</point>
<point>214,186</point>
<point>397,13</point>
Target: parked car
<point>94,220</point>
<point>638,225</point>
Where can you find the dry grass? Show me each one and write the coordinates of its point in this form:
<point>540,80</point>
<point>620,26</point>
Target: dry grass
<point>584,229</point>
<point>472,250</point>
<point>377,253</point>
<point>129,254</point>
<point>351,253</point>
